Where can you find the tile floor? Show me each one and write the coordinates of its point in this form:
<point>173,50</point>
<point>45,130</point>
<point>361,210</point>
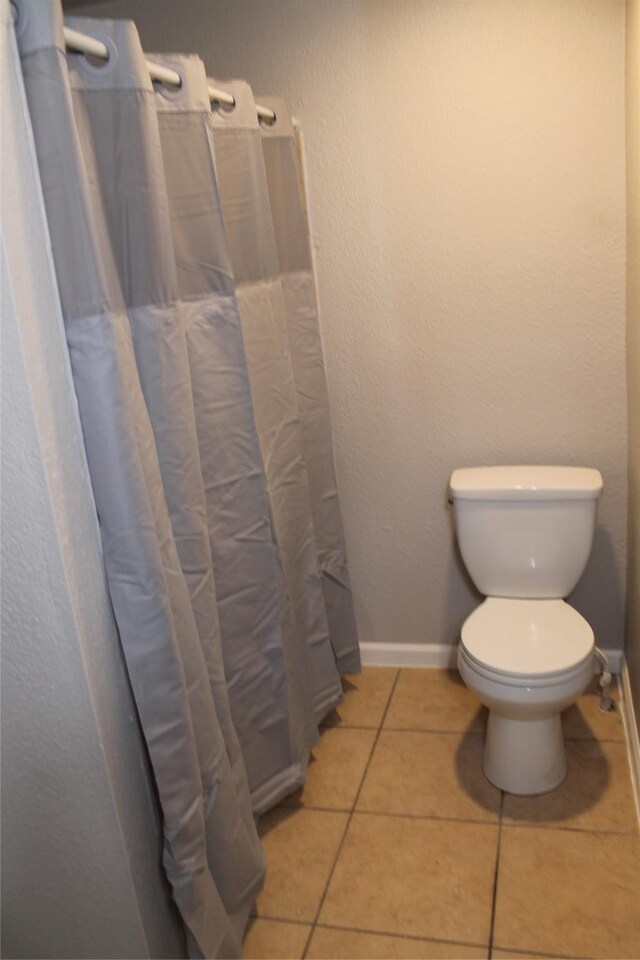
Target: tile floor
<point>398,846</point>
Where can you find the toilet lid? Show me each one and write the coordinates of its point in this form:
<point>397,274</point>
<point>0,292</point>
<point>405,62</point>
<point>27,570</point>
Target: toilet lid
<point>527,637</point>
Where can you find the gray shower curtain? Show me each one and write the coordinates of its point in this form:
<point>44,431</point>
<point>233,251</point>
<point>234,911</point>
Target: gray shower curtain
<point>177,333</point>
<point>97,142</point>
<point>265,663</point>
<point>244,196</point>
<point>296,276</point>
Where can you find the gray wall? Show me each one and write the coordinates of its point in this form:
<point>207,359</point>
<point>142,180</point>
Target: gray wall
<point>466,173</point>
<point>633,342</point>
<point>81,841</point>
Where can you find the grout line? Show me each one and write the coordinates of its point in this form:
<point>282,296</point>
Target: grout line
<point>453,733</point>
<point>400,936</point>
<point>417,816</point>
<point>346,726</point>
<point>275,919</point>
<point>409,936</point>
<point>523,825</point>
<point>517,952</point>
<point>430,730</point>
<point>311,806</point>
<point>520,824</point>
<point>350,816</point>
<point>494,896</point>
<point>375,742</point>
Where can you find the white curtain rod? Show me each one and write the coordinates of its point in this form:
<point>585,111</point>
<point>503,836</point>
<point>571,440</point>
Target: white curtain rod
<point>82,43</point>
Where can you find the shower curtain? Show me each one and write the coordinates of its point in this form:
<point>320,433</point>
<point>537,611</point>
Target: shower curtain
<point>178,336</point>
<point>296,275</point>
<point>266,667</point>
<point>252,245</point>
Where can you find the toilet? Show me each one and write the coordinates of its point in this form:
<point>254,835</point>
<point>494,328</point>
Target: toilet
<point>525,535</point>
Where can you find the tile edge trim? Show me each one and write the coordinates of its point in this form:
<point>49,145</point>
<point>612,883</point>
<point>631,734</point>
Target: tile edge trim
<point>632,734</point>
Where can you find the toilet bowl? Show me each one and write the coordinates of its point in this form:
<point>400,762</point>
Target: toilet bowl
<point>526,660</point>
<point>525,534</point>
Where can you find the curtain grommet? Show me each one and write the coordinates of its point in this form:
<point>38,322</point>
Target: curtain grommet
<point>94,65</point>
<point>169,91</point>
<point>224,109</point>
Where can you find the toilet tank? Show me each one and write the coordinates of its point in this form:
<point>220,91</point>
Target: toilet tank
<point>525,531</point>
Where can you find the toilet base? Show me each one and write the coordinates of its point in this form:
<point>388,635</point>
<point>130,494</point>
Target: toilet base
<point>524,757</point>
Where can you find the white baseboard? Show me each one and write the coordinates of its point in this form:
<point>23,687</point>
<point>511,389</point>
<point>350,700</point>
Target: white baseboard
<point>633,734</point>
<point>439,655</point>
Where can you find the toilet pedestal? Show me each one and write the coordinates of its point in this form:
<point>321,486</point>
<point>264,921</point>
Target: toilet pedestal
<point>525,757</point>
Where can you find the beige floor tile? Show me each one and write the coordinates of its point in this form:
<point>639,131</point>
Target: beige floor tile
<point>300,847</point>
<point>434,700</point>
<point>596,794</point>
<point>429,775</point>
<point>585,720</point>
<point>568,893</point>
<point>408,876</point>
<point>331,944</point>
<point>366,696</point>
<point>275,940</point>
<point>340,759</point>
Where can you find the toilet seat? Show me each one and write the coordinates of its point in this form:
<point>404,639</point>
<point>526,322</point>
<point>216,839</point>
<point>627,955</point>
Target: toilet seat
<point>526,641</point>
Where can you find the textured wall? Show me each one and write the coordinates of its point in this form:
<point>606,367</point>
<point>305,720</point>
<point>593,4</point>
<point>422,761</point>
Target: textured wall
<point>81,844</point>
<point>633,341</point>
<point>466,172</point>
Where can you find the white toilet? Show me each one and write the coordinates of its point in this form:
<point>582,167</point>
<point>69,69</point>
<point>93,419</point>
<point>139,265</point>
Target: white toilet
<point>525,535</point>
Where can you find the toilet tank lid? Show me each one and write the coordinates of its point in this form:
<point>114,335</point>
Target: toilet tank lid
<point>526,483</point>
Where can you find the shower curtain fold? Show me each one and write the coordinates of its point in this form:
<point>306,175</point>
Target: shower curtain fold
<point>246,210</point>
<point>296,276</point>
